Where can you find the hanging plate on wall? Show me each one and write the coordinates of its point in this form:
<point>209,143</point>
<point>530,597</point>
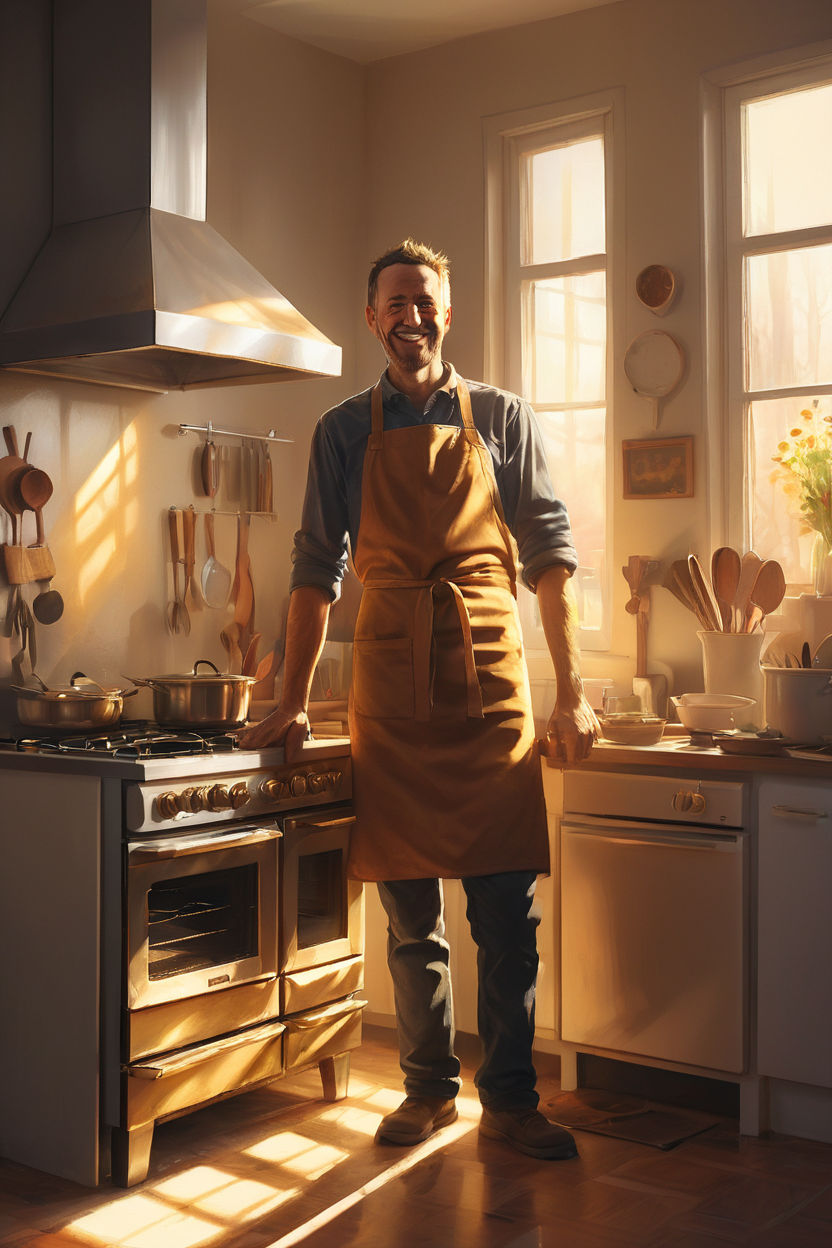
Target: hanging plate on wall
<point>656,288</point>
<point>654,363</point>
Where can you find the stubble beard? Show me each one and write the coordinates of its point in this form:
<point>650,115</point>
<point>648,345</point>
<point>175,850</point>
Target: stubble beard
<point>410,361</point>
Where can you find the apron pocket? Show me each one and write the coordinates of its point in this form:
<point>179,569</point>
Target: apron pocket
<point>382,677</point>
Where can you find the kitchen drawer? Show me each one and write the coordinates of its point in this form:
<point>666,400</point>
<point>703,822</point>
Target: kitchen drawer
<point>318,985</point>
<point>323,1033</point>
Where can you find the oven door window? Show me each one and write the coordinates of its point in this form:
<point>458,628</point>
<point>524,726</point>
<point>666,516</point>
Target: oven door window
<point>201,914</point>
<point>321,900</point>
<point>202,921</point>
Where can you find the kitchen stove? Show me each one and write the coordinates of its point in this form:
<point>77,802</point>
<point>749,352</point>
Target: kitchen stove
<point>230,939</point>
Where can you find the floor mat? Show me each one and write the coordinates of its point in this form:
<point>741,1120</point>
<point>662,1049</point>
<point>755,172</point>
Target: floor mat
<point>626,1117</point>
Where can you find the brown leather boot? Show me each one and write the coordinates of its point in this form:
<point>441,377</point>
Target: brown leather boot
<point>529,1132</point>
<point>415,1119</point>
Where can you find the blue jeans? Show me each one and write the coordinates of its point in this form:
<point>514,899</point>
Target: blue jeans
<point>503,923</point>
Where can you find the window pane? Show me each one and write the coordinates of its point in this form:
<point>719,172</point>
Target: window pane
<point>777,528</point>
<point>565,346</point>
<point>788,173</point>
<point>576,454</point>
<point>565,202</point>
<point>789,318</point>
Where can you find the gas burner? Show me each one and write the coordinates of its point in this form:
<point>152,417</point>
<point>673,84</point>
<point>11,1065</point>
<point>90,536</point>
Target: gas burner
<point>132,739</point>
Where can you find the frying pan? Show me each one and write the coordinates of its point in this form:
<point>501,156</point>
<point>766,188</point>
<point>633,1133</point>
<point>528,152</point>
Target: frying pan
<point>654,363</point>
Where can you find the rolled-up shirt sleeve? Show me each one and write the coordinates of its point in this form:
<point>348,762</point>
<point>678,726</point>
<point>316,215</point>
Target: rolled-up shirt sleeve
<point>319,556</point>
<point>536,516</point>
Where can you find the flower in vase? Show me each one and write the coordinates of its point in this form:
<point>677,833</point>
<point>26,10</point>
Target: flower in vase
<point>804,469</point>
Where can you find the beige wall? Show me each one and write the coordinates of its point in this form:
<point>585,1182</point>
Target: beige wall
<point>316,163</point>
<point>285,156</point>
<point>425,127</point>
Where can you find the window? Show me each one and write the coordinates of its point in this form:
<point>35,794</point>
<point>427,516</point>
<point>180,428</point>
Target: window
<point>548,285</point>
<point>778,232</point>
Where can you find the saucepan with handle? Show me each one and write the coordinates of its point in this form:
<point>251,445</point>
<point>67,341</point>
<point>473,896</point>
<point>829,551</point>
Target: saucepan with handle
<point>199,700</point>
<point>80,706</point>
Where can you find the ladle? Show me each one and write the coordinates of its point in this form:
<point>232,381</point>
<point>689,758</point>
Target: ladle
<point>34,489</point>
<point>47,605</point>
<point>216,578</point>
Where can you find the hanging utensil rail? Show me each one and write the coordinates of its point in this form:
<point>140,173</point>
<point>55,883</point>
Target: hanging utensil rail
<point>212,431</point>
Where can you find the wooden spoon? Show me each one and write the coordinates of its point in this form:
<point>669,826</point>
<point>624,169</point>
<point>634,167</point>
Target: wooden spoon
<point>679,583</point>
<point>749,567</point>
<point>12,468</point>
<point>210,467</point>
<point>768,592</point>
<point>725,575</point>
<point>702,591</point>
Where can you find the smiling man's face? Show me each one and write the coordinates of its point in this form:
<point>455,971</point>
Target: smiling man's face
<point>411,316</point>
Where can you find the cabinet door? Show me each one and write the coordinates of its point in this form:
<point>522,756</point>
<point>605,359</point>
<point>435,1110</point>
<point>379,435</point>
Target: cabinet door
<point>794,985</point>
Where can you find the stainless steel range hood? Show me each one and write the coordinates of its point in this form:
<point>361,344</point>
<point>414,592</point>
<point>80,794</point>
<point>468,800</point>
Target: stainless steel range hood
<point>132,287</point>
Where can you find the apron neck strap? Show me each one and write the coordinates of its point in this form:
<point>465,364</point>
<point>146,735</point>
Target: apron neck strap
<point>465,412</point>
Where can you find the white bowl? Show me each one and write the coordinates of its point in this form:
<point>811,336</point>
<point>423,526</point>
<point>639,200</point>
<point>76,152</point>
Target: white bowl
<point>712,712</point>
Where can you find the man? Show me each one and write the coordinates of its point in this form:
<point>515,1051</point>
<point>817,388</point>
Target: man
<point>432,479</point>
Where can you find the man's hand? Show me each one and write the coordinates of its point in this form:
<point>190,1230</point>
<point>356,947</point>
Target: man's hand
<point>286,728</point>
<point>571,732</point>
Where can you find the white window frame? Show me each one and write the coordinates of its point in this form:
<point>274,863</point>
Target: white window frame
<point>507,138</point>
<point>725,249</point>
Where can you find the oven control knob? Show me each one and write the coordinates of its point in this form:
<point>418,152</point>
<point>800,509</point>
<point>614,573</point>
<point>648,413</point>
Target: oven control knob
<point>316,783</point>
<point>297,785</point>
<point>273,790</point>
<point>239,795</point>
<point>685,802</point>
<point>167,805</point>
<point>192,800</point>
<point>218,797</point>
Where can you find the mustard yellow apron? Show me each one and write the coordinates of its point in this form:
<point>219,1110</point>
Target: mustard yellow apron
<point>446,777</point>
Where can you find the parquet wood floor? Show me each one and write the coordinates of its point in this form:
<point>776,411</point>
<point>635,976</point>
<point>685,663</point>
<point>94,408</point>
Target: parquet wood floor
<point>279,1167</point>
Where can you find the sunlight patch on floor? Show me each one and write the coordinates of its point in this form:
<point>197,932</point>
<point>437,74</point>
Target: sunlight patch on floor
<point>297,1154</point>
<point>468,1117</point>
<point>362,1121</point>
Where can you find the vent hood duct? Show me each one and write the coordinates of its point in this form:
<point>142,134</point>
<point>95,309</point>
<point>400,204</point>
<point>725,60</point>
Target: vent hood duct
<point>132,287</point>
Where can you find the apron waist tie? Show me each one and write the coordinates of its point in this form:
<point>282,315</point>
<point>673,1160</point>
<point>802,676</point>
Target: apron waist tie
<point>423,638</point>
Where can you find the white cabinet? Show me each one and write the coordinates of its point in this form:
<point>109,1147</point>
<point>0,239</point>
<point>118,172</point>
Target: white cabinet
<point>794,985</point>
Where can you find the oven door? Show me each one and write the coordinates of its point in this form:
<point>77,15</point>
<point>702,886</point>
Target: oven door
<point>201,912</point>
<point>322,910</point>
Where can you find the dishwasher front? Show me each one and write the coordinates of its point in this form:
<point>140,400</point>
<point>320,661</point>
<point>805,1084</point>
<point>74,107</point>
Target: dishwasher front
<point>654,918</point>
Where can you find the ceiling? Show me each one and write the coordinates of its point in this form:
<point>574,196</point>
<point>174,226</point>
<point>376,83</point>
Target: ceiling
<point>368,30</point>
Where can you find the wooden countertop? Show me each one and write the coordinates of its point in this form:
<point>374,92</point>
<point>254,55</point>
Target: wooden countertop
<point>679,754</point>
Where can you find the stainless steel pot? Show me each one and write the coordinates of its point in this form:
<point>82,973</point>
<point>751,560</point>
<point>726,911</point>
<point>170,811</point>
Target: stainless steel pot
<point>193,700</point>
<point>79,707</point>
<point>799,703</point>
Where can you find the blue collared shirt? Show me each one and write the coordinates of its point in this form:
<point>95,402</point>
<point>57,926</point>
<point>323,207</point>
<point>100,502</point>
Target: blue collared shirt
<point>332,507</point>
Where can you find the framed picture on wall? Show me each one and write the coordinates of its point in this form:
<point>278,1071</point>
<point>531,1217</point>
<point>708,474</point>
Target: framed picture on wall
<point>658,468</point>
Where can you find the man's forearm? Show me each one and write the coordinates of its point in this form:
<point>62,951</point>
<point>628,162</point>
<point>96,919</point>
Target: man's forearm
<point>559,615</point>
<point>305,635</point>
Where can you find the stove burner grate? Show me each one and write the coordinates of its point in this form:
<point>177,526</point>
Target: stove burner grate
<point>132,739</point>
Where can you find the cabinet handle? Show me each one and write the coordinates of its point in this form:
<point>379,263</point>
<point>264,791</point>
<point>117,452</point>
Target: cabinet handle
<point>798,812</point>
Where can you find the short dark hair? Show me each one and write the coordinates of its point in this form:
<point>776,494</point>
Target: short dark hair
<point>409,252</point>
